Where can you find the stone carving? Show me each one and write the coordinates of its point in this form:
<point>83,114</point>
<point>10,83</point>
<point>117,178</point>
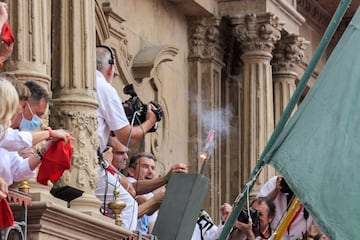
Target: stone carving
<point>197,39</point>
<point>117,31</point>
<point>257,32</point>
<point>213,43</point>
<point>313,12</point>
<point>288,52</point>
<point>205,40</point>
<point>83,127</point>
<point>102,27</point>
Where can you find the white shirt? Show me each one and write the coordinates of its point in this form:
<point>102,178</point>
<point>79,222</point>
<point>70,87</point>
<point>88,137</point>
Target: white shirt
<point>16,140</point>
<point>14,168</point>
<point>208,233</point>
<point>110,113</point>
<point>298,226</point>
<point>129,214</point>
<point>151,218</point>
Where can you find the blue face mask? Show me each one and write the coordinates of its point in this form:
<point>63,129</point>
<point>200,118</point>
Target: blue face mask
<point>30,125</point>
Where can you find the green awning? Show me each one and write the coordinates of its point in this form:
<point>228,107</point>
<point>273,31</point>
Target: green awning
<point>318,152</point>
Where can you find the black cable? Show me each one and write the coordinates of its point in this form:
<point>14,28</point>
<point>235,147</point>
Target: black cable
<point>105,192</point>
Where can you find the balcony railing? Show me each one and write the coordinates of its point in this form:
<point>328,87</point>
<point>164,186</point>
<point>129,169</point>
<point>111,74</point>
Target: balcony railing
<point>19,229</point>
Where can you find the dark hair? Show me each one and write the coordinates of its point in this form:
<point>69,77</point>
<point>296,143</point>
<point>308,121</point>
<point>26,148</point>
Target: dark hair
<point>37,92</point>
<point>269,202</point>
<point>318,236</point>
<point>134,158</point>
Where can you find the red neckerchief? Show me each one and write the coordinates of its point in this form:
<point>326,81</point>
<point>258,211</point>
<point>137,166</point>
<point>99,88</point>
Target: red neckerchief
<point>111,169</point>
<point>265,233</point>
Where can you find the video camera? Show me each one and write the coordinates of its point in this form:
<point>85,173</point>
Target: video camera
<point>244,217</point>
<point>134,104</point>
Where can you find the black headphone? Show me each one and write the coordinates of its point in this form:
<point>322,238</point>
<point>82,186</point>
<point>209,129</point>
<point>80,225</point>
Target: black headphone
<point>112,55</point>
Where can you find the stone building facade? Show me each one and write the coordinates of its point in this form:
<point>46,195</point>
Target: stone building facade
<point>227,65</point>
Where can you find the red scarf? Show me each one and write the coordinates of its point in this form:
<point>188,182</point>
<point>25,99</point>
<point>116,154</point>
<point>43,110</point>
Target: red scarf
<point>6,215</point>
<point>55,161</point>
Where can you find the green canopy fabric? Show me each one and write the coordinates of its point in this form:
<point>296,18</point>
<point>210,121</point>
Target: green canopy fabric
<point>318,152</point>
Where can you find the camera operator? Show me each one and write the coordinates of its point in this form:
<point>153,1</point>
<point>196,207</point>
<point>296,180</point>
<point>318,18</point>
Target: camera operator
<point>111,115</point>
<point>277,189</point>
<point>259,228</point>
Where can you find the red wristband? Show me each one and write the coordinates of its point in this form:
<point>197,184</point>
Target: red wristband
<point>50,132</point>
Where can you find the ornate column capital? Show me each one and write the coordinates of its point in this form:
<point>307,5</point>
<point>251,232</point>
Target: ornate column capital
<point>205,39</point>
<point>288,52</point>
<point>257,32</point>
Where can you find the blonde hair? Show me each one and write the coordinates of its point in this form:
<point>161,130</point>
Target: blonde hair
<point>9,99</point>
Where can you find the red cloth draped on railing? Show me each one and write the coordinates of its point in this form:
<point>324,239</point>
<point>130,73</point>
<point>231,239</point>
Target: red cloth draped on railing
<point>6,214</point>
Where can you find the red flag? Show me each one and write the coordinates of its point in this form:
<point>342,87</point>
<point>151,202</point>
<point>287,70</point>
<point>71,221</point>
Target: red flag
<point>6,215</point>
<point>7,34</point>
<point>55,161</point>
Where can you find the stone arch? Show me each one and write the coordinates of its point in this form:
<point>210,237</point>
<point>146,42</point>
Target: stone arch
<point>101,25</point>
<point>149,58</point>
<point>145,68</point>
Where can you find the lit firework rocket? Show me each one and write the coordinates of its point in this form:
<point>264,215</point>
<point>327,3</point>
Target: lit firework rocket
<point>209,147</point>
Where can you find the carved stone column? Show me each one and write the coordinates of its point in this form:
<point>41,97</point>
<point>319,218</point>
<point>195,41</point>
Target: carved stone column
<point>256,35</point>
<point>74,104</point>
<point>231,148</point>
<point>287,54</point>
<point>205,64</point>
<point>30,59</point>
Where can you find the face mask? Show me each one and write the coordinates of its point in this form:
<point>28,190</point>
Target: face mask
<point>30,125</point>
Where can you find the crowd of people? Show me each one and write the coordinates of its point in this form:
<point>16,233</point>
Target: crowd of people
<point>22,109</point>
<point>22,128</point>
<point>267,213</point>
<point>116,135</point>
